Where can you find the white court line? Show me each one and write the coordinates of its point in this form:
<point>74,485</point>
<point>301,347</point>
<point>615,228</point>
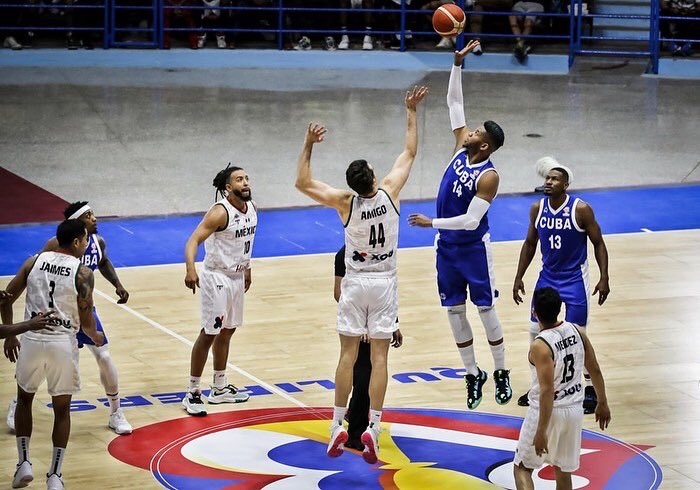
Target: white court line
<point>188,342</point>
<point>646,230</point>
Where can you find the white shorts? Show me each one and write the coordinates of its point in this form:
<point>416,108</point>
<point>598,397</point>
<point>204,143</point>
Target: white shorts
<point>54,360</point>
<point>221,300</point>
<point>563,439</point>
<point>368,305</point>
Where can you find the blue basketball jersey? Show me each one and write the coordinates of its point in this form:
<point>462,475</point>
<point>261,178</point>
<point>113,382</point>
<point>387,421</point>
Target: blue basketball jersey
<point>457,189</point>
<point>562,241</point>
<point>93,253</point>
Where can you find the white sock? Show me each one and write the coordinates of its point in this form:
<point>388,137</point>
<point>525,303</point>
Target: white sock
<point>375,419</point>
<point>194,384</point>
<point>468,359</point>
<point>499,356</point>
<point>220,379</point>
<point>114,403</point>
<point>57,460</point>
<point>22,449</point>
<point>339,415</point>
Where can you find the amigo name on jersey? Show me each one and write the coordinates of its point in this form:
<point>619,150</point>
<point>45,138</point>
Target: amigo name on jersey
<point>373,213</point>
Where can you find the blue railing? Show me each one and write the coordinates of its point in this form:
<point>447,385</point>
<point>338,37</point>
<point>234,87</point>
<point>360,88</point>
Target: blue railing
<point>109,21</point>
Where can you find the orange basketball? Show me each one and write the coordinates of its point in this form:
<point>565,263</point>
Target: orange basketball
<point>448,20</point>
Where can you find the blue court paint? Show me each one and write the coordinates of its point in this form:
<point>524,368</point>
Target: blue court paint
<point>300,231</point>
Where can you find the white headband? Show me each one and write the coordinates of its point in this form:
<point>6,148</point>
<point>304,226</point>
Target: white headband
<point>79,212</point>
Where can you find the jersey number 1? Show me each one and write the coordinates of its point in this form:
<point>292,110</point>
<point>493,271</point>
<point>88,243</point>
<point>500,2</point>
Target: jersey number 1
<point>376,235</point>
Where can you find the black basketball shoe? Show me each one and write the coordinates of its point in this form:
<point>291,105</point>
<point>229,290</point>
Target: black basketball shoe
<point>474,387</point>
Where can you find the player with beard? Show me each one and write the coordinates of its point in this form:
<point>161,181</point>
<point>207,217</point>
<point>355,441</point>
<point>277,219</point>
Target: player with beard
<point>464,262</point>
<point>227,230</point>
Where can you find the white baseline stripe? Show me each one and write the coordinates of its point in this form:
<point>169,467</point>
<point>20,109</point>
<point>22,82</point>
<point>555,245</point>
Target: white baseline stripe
<point>182,339</point>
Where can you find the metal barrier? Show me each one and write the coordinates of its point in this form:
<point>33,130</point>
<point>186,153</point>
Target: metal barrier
<point>150,24</point>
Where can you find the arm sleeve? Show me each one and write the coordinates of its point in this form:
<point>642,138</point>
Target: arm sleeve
<point>455,99</point>
<point>469,221</point>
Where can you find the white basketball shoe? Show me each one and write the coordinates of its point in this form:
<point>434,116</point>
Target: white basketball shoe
<point>227,394</point>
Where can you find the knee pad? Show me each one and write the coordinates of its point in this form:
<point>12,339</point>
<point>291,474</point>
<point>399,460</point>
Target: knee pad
<point>461,329</point>
<point>492,325</point>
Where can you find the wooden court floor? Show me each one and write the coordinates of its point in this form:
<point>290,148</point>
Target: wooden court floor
<point>646,336</point>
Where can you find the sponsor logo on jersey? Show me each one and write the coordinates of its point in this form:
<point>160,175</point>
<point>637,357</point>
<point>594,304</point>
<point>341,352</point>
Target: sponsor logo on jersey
<point>363,256</point>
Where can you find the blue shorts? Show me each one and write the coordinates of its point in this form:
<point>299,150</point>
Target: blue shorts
<point>573,289</point>
<point>84,339</point>
<point>466,267</point>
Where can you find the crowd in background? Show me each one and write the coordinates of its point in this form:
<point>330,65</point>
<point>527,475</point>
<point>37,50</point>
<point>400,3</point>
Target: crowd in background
<point>355,24</point>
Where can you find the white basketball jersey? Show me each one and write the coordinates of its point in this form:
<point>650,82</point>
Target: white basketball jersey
<point>228,251</point>
<point>372,235</point>
<point>568,352</point>
<point>51,286</point>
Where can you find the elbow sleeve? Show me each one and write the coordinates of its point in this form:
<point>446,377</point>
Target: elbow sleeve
<point>469,221</point>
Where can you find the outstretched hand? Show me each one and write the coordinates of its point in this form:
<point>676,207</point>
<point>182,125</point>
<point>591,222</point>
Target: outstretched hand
<point>461,54</point>
<point>413,97</point>
<point>421,220</point>
<point>315,133</point>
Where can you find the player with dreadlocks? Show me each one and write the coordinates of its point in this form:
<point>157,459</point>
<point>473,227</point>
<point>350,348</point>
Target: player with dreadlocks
<point>227,230</point>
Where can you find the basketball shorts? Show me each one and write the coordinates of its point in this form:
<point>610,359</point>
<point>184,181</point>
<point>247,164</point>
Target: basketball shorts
<point>54,360</point>
<point>466,267</point>
<point>368,305</point>
<point>221,300</point>
<point>574,292</point>
<point>563,439</point>
<point>83,339</point>
<point>521,8</point>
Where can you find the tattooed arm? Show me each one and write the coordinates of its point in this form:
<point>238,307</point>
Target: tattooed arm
<point>85,283</point>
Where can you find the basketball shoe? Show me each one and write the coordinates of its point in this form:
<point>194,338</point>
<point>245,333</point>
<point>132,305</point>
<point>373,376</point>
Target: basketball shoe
<point>370,438</point>
<point>501,377</point>
<point>54,482</point>
<point>118,423</point>
<point>193,404</point>
<point>474,387</point>
<point>23,475</point>
<point>338,437</point>
<point>227,394</point>
<point>524,400</point>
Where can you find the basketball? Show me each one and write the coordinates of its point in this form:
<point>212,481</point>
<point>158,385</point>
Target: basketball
<point>448,20</point>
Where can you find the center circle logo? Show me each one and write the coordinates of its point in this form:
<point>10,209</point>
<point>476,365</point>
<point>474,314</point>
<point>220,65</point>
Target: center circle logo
<point>420,448</point>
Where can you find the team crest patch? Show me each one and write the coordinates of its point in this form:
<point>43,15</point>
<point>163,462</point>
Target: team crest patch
<point>285,448</point>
